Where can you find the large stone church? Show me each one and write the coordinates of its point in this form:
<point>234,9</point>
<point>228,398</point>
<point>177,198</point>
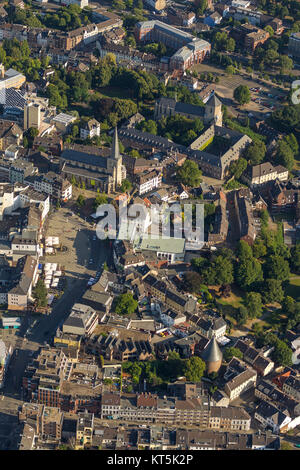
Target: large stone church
<point>211,113</point>
<point>95,167</point>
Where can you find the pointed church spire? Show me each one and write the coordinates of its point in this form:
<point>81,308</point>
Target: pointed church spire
<point>115,151</point>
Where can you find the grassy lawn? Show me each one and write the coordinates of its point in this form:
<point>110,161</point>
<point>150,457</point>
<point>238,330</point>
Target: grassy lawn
<point>230,305</point>
<point>293,289</point>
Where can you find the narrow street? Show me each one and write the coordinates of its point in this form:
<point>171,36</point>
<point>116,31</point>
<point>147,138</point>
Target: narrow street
<point>82,247</point>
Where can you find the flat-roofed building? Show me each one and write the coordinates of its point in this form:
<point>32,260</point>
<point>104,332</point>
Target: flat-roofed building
<point>170,249</point>
<point>32,115</point>
<point>49,423</point>
<point>84,430</point>
<point>63,122</point>
<point>10,79</point>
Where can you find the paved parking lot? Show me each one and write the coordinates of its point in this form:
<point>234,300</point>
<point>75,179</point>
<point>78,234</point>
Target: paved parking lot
<point>228,83</point>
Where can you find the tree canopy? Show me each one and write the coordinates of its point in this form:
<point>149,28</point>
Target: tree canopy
<point>242,94</point>
<point>189,174</point>
<point>126,304</point>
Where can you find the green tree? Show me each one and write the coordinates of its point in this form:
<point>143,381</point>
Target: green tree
<point>255,152</point>
<point>126,304</point>
<point>285,63</point>
<point>189,174</point>
<point>276,267</point>
<point>292,142</point>
<point>253,303</point>
<point>223,270</point>
<point>105,266</point>
<point>259,249</point>
<point>238,167</point>
<point>244,251</point>
<point>242,315</point>
<point>75,130</point>
<point>125,186</point>
<point>230,70</point>
<point>194,369</point>
<point>272,291</point>
<point>100,199</point>
<point>192,281</point>
<point>242,94</point>
<point>282,354</point>
<point>248,273</point>
<point>269,29</point>
<point>40,293</point>
<point>231,352</point>
<point>201,6</point>
<point>148,126</point>
<point>264,218</point>
<point>284,155</point>
<point>134,153</point>
<point>80,201</point>
<point>73,181</point>
<point>295,259</point>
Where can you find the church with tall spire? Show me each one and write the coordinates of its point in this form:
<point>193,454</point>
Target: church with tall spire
<point>114,163</point>
<point>95,167</point>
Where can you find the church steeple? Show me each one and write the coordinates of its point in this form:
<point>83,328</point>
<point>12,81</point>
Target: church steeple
<point>213,111</point>
<point>115,151</point>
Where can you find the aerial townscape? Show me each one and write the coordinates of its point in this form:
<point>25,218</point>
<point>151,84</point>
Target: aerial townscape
<point>149,225</point>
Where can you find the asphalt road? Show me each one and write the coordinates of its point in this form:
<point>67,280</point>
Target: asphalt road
<point>43,332</point>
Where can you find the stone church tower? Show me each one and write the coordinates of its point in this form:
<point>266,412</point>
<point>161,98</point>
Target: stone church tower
<point>114,163</point>
<point>213,111</point>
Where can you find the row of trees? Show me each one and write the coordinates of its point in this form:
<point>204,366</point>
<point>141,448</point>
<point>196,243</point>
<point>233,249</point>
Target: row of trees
<point>286,151</point>
<point>261,271</point>
<point>66,18</point>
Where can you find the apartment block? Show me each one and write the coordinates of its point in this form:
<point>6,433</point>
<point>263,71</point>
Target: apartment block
<point>84,430</point>
<point>59,188</point>
<point>263,173</point>
<point>148,181</point>
<point>81,321</point>
<point>50,423</point>
<point>32,116</point>
<point>292,387</point>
